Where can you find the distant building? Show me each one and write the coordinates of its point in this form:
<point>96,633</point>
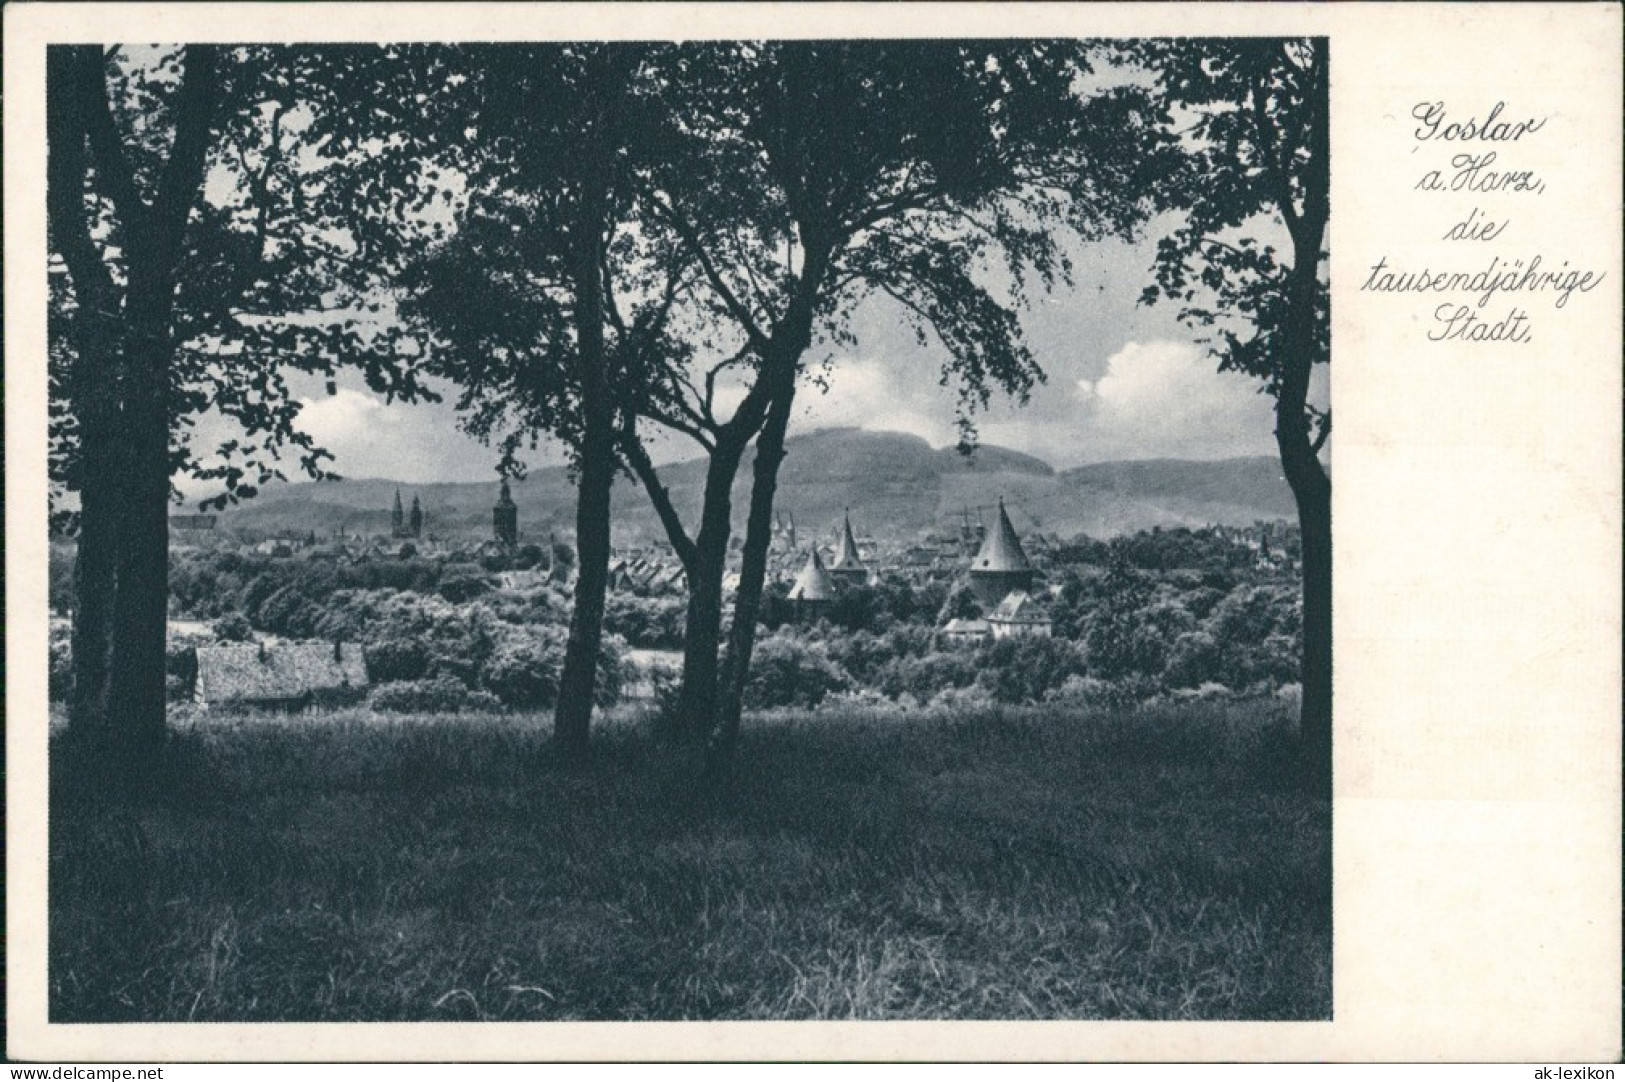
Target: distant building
<point>813,589</point>
<point>286,676</point>
<point>784,531</point>
<point>414,524</point>
<point>505,519</point>
<point>847,567</point>
<point>960,630</point>
<point>397,518</point>
<point>1001,567</point>
<point>192,522</point>
<point>1019,615</point>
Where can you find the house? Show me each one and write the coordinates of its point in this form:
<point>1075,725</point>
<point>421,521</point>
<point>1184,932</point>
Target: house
<point>285,676</point>
<point>524,581</point>
<point>1019,615</point>
<point>960,630</point>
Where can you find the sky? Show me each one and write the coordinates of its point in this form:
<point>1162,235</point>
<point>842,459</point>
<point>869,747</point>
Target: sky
<point>1123,381</point>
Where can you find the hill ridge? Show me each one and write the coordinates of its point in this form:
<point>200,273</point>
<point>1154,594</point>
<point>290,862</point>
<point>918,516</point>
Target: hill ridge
<point>896,484</point>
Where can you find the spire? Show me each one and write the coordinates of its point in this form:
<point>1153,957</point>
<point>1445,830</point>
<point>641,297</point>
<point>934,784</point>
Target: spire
<point>847,558</point>
<point>1001,551</point>
<point>505,518</point>
<point>397,517</point>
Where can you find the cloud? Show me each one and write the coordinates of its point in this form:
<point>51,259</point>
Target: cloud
<point>1165,398</point>
<point>878,395</point>
<point>419,442</point>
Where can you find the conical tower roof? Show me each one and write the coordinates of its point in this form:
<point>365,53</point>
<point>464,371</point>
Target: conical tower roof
<point>846,557</point>
<point>814,583</point>
<point>1001,551</point>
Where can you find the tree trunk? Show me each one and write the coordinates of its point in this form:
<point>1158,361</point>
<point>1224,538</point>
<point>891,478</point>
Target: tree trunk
<point>71,74</point>
<point>752,574</point>
<point>1299,446</point>
<point>1315,524</point>
<point>121,396</point>
<point>702,645</point>
<point>136,673</point>
<point>94,575</point>
<point>572,715</point>
<point>702,628</point>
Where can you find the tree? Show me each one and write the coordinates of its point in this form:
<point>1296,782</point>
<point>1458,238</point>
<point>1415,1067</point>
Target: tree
<point>930,174</point>
<point>540,304</point>
<point>1258,162</point>
<point>191,211</point>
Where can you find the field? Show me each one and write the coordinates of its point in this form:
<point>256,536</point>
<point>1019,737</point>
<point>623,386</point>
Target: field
<point>1036,863</point>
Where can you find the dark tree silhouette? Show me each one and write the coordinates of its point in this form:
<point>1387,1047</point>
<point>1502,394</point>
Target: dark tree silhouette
<point>545,304</point>
<point>1256,121</point>
<point>194,204</point>
<point>933,174</point>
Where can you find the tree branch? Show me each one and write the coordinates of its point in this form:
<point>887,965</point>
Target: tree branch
<point>183,175</point>
<point>1269,151</point>
<point>735,308</point>
<point>638,457</point>
<point>65,186</point>
<point>113,168</point>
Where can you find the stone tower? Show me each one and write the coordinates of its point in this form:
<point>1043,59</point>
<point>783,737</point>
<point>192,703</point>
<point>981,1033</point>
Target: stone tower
<point>1000,567</point>
<point>505,520</point>
<point>813,588</point>
<point>847,567</point>
<point>414,524</point>
<point>397,518</point>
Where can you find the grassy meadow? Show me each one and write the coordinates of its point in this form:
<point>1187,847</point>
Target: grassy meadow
<point>1038,863</point>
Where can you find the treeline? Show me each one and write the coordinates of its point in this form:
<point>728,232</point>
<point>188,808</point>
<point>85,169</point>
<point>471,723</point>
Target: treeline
<point>1121,636</point>
<point>1164,612</point>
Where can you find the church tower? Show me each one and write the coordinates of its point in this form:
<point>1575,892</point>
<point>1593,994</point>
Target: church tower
<point>505,520</point>
<point>415,522</point>
<point>847,567</point>
<point>397,518</point>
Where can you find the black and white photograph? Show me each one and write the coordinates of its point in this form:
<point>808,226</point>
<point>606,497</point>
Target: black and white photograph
<point>727,530</point>
<point>740,528</point>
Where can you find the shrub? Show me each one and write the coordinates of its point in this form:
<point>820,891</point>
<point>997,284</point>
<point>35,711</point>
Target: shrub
<point>180,666</point>
<point>1193,660</point>
<point>459,584</point>
<point>924,677</point>
<point>1022,670</point>
<point>523,673</point>
<point>655,622</point>
<point>233,627</point>
<point>439,695</point>
<point>396,659</point>
<point>787,672</point>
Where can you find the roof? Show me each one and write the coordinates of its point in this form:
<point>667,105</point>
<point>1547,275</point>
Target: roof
<point>846,557</point>
<point>246,672</point>
<point>1019,607</point>
<point>814,583</point>
<point>960,626</point>
<point>1001,551</point>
